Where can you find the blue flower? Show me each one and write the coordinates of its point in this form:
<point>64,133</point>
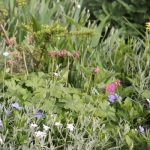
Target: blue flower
<point>141,129</point>
<point>40,114</point>
<point>113,97</point>
<point>16,105</point>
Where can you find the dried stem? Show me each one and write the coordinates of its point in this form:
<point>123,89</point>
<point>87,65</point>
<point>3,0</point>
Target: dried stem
<point>4,31</point>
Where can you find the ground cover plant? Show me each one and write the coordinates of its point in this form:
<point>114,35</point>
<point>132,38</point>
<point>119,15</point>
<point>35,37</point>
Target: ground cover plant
<point>69,82</point>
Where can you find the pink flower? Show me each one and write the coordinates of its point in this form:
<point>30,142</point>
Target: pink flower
<point>110,88</point>
<point>52,54</point>
<point>117,82</point>
<point>76,54</point>
<point>96,70</point>
<point>10,62</point>
<point>62,53</point>
<point>16,55</point>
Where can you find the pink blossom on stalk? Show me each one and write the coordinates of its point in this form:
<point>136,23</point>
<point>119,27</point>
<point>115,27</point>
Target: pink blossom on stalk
<point>76,54</point>
<point>117,82</point>
<point>52,54</point>
<point>62,53</point>
<point>10,62</point>
<point>96,70</point>
<point>110,88</point>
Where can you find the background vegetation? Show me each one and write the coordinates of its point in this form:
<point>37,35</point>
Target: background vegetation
<point>74,75</point>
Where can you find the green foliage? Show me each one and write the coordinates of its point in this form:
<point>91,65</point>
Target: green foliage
<point>62,65</point>
<point>121,13</point>
<point>93,116</point>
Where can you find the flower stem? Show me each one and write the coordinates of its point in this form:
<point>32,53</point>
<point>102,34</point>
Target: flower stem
<point>25,64</point>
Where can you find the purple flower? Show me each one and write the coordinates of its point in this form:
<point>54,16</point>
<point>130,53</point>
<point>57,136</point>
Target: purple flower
<point>113,97</point>
<point>40,114</point>
<point>1,124</point>
<point>16,105</point>
<point>141,129</point>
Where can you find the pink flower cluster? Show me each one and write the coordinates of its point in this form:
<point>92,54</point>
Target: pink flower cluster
<point>14,57</point>
<point>96,70</point>
<point>63,53</point>
<point>110,88</point>
<point>10,62</point>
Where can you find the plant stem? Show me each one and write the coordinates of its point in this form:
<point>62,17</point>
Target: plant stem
<point>25,64</point>
<point>4,31</point>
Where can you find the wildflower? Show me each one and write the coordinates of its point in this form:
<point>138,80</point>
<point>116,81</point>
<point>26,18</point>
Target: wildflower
<point>40,134</point>
<point>10,62</point>
<point>96,70</point>
<point>6,54</point>
<point>33,125</point>
<point>111,98</point>
<point>110,88</point>
<point>1,141</point>
<point>16,105</point>
<point>58,124</point>
<point>40,114</point>
<point>141,129</point>
<point>16,55</point>
<point>46,128</point>
<point>114,97</point>
<point>118,82</point>
<point>62,53</point>
<point>78,6</point>
<point>56,74</point>
<point>52,54</point>
<point>70,127</point>
<point>148,100</point>
<point>76,54</point>
<point>148,26</point>
<point>1,124</point>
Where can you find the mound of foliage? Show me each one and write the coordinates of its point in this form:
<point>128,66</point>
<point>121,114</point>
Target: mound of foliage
<point>66,85</point>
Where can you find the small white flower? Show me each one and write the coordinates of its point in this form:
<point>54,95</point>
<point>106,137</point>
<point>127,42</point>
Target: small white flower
<point>33,125</point>
<point>79,6</point>
<point>40,134</point>
<point>135,130</point>
<point>70,127</point>
<point>5,54</point>
<point>45,127</point>
<point>148,100</point>
<point>58,124</point>
<point>54,116</point>
<point>56,74</point>
<point>1,141</point>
